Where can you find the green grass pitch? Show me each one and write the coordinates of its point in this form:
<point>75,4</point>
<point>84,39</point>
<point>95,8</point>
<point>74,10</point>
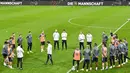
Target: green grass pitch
<point>21,19</point>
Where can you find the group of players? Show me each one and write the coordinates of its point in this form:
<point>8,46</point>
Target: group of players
<point>9,46</point>
<point>117,51</point>
<point>8,51</point>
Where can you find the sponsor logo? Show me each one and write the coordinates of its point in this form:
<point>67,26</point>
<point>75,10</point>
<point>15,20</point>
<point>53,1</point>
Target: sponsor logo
<point>70,3</point>
<point>75,3</point>
<point>10,3</point>
<point>90,3</point>
<point>33,3</point>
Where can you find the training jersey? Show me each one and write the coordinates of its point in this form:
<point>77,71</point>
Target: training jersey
<point>29,38</point>
<point>42,37</point>
<point>112,50</point>
<point>20,40</point>
<point>77,55</point>
<point>104,52</point>
<point>95,51</point>
<point>87,54</point>
<point>13,40</point>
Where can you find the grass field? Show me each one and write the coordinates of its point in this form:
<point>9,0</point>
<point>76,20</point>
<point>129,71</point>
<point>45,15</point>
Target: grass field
<point>21,19</point>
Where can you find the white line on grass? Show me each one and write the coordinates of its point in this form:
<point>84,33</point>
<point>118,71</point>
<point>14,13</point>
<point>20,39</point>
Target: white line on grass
<point>90,26</point>
<point>100,43</point>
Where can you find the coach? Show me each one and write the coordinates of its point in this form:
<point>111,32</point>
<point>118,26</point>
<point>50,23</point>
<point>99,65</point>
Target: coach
<point>89,38</point>
<point>56,37</point>
<point>64,39</point>
<point>20,52</point>
<point>49,53</point>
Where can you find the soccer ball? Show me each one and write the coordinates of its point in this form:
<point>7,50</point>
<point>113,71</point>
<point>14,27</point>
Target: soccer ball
<point>73,68</point>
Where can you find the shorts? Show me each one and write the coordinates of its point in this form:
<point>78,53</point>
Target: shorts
<point>94,59</point>
<point>13,46</point>
<point>29,44</point>
<point>4,55</point>
<point>104,59</point>
<point>10,59</point>
<point>43,43</point>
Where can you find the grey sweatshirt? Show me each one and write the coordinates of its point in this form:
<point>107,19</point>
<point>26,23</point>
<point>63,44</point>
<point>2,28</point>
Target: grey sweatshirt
<point>126,45</point>
<point>29,38</point>
<point>112,50</point>
<point>95,51</point>
<point>120,48</point>
<point>5,49</point>
<point>20,40</point>
<point>87,54</point>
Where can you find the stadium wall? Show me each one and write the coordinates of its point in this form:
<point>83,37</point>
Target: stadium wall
<point>74,3</point>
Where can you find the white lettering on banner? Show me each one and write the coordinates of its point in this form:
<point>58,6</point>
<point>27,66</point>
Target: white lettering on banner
<point>90,3</point>
<point>10,3</point>
<point>70,3</point>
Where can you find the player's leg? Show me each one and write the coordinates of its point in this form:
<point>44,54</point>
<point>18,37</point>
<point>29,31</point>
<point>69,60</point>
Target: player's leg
<point>21,63</point>
<point>83,65</point>
<point>110,62</point>
<point>122,59</point>
<point>103,61</point>
<point>80,45</point>
<point>106,63</point>
<point>47,58</point>
<point>66,44</point>
<point>77,65</point>
<point>54,45</point>
<point>17,62</point>
<point>87,65</point>
<point>62,44</point>
<point>83,45</point>
<point>113,59</point>
<point>91,63</point>
<point>28,48</point>
<point>50,56</point>
<point>90,45</point>
<point>58,45</point>
<point>96,63</point>
<point>119,60</point>
<point>31,47</point>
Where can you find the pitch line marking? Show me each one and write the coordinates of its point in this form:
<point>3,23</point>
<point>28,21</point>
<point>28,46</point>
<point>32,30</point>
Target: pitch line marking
<point>69,21</point>
<point>101,43</point>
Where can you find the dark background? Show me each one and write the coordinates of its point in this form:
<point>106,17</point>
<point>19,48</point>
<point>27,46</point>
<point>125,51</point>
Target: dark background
<point>64,0</point>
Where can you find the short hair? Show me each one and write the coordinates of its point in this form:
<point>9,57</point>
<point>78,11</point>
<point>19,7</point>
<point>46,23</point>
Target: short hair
<point>29,32</point>
<point>48,42</point>
<point>120,40</point>
<point>5,42</point>
<point>95,44</point>
<point>124,38</point>
<point>20,34</point>
<point>19,44</point>
<point>104,45</point>
<point>10,37</point>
